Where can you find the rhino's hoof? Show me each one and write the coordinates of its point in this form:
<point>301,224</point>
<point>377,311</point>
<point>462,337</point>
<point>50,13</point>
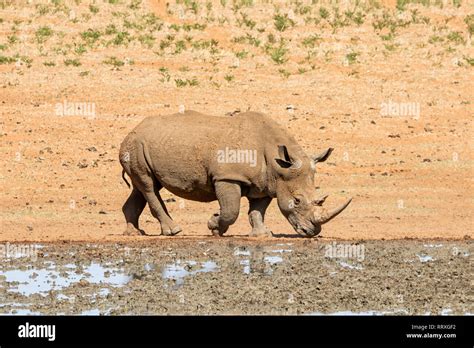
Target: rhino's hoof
<point>213,222</point>
<point>131,231</point>
<point>216,233</point>
<point>260,232</point>
<point>171,232</point>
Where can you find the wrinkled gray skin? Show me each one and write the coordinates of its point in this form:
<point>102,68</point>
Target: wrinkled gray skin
<point>180,153</point>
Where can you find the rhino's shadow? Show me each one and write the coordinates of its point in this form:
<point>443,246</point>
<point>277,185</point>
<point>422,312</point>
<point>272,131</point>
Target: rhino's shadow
<point>285,235</point>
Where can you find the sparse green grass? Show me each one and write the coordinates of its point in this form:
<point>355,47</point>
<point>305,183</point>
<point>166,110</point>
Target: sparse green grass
<point>94,9</point>
<point>390,47</point>
<point>469,61</point>
<point>358,17</point>
<point>284,73</point>
<point>114,61</point>
<point>111,29</point>
<point>389,21</point>
<point>323,13</point>
<point>245,20</point>
<point>135,4</point>
<point>241,54</point>
<point>90,36</point>
<point>147,40</point>
<point>12,39</point>
<point>283,22</point>
<point>248,39</point>
<point>238,4</point>
<point>7,60</point>
<point>210,45</point>
<point>456,37</point>
<point>389,37</point>
<point>180,46</point>
<point>49,63</point>
<point>121,38</point>
<point>188,27</point>
<point>42,9</point>
<point>72,62</point>
<point>469,20</point>
<point>165,74</point>
<point>183,83</point>
<point>352,57</point>
<point>229,78</point>
<point>80,49</point>
<point>195,26</point>
<point>311,41</point>
<point>43,34</point>
<point>302,70</point>
<point>435,39</point>
<point>278,54</point>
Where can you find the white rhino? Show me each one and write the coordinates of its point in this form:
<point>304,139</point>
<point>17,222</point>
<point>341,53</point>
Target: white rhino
<point>206,158</point>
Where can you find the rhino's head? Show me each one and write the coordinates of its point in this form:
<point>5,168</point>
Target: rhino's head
<point>296,194</point>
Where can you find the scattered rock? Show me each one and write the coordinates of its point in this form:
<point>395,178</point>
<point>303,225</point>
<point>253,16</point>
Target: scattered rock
<point>83,282</point>
<point>233,113</point>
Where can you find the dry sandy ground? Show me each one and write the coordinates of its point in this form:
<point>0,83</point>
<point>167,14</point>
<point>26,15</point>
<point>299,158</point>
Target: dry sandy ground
<point>410,175</point>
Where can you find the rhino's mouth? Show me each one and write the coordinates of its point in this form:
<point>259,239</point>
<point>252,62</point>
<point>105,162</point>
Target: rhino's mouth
<point>308,231</point>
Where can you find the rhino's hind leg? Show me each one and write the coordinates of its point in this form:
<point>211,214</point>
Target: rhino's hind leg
<point>158,208</point>
<point>228,194</point>
<point>159,211</point>
<point>132,209</point>
<point>257,209</point>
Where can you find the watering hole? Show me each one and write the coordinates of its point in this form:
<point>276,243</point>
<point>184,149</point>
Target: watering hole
<point>229,276</point>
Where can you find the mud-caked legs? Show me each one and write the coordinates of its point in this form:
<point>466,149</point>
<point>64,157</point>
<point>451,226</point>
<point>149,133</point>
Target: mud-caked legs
<point>228,195</point>
<point>257,209</point>
<point>132,209</point>
<point>159,211</point>
<point>148,191</point>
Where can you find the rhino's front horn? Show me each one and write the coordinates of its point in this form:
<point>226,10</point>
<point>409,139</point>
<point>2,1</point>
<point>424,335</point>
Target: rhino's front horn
<point>328,216</point>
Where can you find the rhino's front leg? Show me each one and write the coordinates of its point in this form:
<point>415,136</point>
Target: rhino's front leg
<point>257,209</point>
<point>228,195</point>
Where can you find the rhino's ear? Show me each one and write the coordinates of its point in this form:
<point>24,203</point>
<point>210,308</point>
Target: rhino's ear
<point>283,153</point>
<point>321,157</point>
<point>284,159</point>
<point>283,163</point>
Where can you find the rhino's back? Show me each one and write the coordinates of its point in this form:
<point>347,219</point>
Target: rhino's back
<point>183,150</point>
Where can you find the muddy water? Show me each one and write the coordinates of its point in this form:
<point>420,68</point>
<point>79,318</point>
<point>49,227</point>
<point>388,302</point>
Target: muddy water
<point>238,276</point>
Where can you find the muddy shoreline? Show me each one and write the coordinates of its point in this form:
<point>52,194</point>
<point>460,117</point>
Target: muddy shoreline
<point>238,276</point>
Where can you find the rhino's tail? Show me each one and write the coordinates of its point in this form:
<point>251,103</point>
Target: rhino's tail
<point>124,179</point>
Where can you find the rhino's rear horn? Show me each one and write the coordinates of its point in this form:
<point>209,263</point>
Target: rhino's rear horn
<point>320,200</point>
<point>326,217</point>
